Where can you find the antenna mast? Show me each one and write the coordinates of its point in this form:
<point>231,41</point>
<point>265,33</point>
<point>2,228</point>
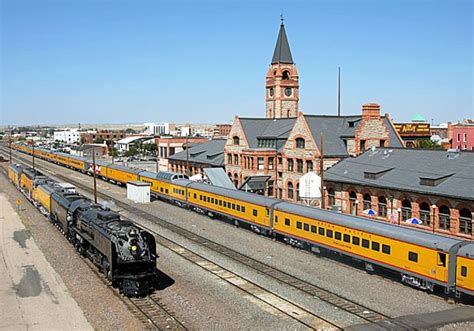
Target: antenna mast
<point>338,91</point>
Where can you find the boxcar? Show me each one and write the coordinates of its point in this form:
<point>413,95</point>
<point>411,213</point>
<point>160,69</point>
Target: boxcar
<point>14,174</point>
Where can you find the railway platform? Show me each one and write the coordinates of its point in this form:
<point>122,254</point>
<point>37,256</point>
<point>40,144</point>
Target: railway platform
<point>32,295</point>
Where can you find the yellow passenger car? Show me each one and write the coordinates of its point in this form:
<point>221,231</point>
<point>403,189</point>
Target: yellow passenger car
<point>237,205</point>
<point>465,269</point>
<point>122,174</point>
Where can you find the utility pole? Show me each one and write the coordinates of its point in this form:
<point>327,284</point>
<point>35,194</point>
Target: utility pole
<point>33,153</point>
<point>321,170</point>
<point>187,156</point>
<point>338,91</point>
<point>93,171</point>
<point>10,146</point>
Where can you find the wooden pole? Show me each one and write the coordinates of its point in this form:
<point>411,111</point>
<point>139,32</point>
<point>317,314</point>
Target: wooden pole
<point>321,170</point>
<point>10,145</point>
<point>93,171</point>
<point>33,153</point>
<point>187,156</point>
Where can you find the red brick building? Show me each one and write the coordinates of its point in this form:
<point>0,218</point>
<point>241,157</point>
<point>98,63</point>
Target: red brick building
<point>286,144</point>
<point>461,135</point>
<point>433,186</point>
<point>90,137</point>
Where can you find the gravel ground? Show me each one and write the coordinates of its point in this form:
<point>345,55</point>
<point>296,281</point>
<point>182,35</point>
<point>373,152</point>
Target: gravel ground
<point>376,292</point>
<point>102,308</point>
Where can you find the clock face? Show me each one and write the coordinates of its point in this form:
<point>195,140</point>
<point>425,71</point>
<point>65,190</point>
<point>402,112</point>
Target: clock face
<point>270,91</point>
<point>288,91</point>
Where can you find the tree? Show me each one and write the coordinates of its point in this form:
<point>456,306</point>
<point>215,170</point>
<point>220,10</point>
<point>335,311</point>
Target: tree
<point>427,144</point>
<point>98,140</point>
<point>132,151</point>
<point>113,152</point>
<point>130,131</point>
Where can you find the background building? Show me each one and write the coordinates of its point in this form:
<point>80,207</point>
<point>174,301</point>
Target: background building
<point>461,135</point>
<point>168,146</point>
<point>209,154</point>
<point>411,133</point>
<point>101,136</point>
<point>69,136</point>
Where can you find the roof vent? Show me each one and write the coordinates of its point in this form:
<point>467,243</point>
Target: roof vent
<point>433,180</point>
<point>452,153</point>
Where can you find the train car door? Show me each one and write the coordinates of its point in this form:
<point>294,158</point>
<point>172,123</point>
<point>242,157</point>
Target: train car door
<point>441,265</point>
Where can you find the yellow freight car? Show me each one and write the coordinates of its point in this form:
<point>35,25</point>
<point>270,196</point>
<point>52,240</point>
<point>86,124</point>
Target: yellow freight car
<point>14,174</point>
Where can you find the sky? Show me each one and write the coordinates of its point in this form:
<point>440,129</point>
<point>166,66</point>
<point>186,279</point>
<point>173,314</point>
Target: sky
<point>135,61</point>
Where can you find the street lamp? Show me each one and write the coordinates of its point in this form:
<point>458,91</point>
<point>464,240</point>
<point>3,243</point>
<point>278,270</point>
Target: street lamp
<point>391,204</point>
<point>399,210</point>
<point>434,214</point>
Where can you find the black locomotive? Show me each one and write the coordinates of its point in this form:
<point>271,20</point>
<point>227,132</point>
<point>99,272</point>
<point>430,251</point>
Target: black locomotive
<point>123,252</point>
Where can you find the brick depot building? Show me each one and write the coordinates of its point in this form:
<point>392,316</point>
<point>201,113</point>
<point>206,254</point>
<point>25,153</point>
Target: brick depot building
<point>434,186</point>
<point>286,144</point>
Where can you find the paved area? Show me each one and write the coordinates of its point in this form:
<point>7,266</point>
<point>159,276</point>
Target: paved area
<point>32,295</point>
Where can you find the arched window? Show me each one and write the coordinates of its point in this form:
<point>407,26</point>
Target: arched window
<point>286,75</point>
<point>382,206</point>
<point>230,175</point>
<point>298,192</point>
<point>425,214</point>
<point>465,221</point>
<point>236,180</point>
<point>406,209</point>
<point>367,203</point>
<point>331,197</point>
<point>352,203</point>
<point>291,165</point>
<point>229,158</point>
<point>290,190</point>
<point>236,140</point>
<point>300,143</point>
<point>444,218</point>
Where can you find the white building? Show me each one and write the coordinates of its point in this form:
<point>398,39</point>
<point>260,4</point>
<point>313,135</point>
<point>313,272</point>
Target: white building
<point>158,129</point>
<point>124,144</point>
<point>69,136</point>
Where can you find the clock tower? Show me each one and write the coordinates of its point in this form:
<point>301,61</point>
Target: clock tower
<point>282,95</point>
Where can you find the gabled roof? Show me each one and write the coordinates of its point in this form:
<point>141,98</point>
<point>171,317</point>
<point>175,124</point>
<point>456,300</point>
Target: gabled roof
<point>433,172</point>
<point>211,152</point>
<point>334,129</point>
<point>282,53</point>
<point>263,127</point>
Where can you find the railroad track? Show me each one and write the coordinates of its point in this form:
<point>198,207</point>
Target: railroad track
<point>333,299</point>
<point>148,310</point>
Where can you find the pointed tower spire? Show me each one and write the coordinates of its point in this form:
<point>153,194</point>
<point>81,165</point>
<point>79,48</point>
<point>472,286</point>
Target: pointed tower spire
<point>282,53</point>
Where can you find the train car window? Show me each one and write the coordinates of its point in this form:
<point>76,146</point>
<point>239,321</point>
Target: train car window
<point>463,271</point>
<point>321,231</point>
<point>243,209</point>
<point>356,241</point>
<point>212,200</point>
<point>195,196</point>
<point>276,219</point>
<point>161,189</point>
<point>287,221</point>
<point>365,243</point>
<point>166,191</point>
<point>375,246</point>
<point>347,238</point>
<point>220,203</point>
<point>441,259</point>
<point>267,212</point>
<point>385,249</point>
<point>412,256</point>
<point>225,204</point>
<point>306,226</point>
<point>313,229</point>
<point>298,225</point>
<point>338,235</point>
<point>255,212</point>
<point>233,206</point>
<point>329,233</point>
<point>238,207</point>
<point>200,197</point>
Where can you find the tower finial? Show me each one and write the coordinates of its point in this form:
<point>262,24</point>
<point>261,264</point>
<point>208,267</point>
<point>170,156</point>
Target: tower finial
<point>281,17</point>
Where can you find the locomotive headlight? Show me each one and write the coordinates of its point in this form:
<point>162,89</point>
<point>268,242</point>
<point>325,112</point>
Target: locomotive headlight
<point>134,248</point>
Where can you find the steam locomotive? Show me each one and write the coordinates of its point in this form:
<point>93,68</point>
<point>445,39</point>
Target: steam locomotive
<point>122,251</point>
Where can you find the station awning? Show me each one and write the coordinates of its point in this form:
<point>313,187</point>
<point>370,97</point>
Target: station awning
<point>255,183</point>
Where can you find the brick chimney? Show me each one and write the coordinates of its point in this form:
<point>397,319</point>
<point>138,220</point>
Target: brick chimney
<point>371,111</point>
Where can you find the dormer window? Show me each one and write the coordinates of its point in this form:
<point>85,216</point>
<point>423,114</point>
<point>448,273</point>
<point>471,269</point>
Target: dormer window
<point>236,140</point>
<point>300,143</point>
